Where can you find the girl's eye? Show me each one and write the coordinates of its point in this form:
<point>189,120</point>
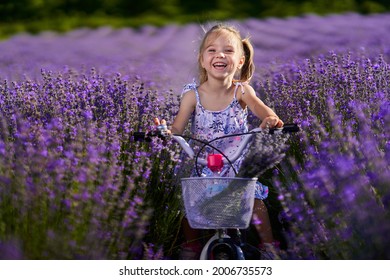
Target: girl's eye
<point>210,50</point>
<point>229,51</point>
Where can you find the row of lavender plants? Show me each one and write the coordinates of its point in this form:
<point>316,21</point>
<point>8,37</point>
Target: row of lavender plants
<point>334,188</point>
<point>167,55</point>
<point>73,182</point>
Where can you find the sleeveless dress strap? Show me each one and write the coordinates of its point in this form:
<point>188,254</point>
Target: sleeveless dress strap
<point>241,85</point>
<point>191,86</point>
<point>188,87</point>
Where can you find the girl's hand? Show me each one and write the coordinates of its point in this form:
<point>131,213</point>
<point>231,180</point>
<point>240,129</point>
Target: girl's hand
<point>162,126</point>
<point>271,122</point>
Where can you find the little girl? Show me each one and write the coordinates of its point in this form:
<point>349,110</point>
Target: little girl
<point>219,106</point>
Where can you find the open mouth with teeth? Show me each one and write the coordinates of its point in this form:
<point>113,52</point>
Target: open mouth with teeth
<point>219,65</point>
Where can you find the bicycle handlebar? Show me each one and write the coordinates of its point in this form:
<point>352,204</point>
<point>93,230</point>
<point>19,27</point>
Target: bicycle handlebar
<point>147,136</point>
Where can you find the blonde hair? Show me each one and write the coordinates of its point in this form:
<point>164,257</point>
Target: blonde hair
<point>247,69</point>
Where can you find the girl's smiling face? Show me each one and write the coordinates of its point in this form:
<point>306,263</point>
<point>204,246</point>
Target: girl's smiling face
<point>222,55</point>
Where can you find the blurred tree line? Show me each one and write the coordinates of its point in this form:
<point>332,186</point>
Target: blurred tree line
<point>25,10</point>
<point>34,16</point>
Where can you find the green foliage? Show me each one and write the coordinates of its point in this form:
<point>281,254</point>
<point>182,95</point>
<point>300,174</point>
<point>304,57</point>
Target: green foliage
<point>18,15</point>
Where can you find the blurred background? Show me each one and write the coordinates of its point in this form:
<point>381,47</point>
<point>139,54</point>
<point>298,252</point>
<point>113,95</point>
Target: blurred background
<point>63,15</point>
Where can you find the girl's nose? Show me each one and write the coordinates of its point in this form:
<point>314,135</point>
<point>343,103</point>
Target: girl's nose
<point>220,54</point>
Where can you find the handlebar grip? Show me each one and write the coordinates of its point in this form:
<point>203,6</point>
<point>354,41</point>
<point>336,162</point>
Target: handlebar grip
<point>147,136</point>
<point>291,127</point>
<point>287,128</point>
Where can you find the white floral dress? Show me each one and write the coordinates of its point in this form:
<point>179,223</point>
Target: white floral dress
<point>207,125</point>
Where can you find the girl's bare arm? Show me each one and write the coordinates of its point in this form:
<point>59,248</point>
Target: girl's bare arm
<point>262,111</point>
<point>187,107</point>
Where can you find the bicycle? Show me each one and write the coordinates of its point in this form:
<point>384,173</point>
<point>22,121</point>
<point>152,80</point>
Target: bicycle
<point>219,203</point>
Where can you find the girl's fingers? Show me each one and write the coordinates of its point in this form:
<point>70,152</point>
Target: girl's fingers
<point>271,122</point>
<point>279,124</point>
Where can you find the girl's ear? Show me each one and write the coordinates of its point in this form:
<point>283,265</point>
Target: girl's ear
<point>241,62</point>
<point>201,60</point>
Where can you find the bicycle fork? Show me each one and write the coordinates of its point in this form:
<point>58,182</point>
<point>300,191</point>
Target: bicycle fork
<point>222,247</point>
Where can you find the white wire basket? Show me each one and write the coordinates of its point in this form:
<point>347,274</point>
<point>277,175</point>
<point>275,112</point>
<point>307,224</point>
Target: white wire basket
<point>218,202</point>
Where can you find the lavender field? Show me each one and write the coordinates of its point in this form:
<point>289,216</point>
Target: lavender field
<point>74,184</point>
